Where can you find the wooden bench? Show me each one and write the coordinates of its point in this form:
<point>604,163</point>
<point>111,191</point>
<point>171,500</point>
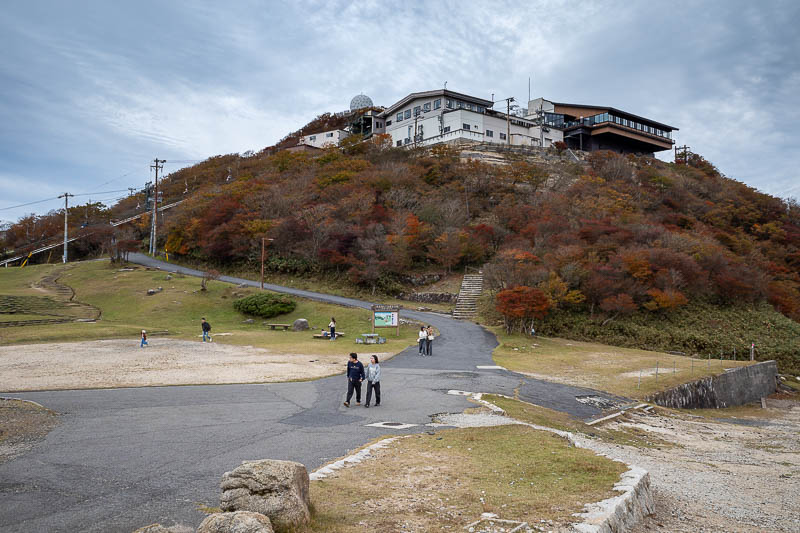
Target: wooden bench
<point>284,326</point>
<point>327,337</point>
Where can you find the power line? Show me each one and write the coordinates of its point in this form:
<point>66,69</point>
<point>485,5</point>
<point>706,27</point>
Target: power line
<point>30,203</point>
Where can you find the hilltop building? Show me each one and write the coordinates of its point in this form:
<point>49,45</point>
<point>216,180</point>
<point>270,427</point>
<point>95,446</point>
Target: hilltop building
<point>590,128</point>
<point>444,116</point>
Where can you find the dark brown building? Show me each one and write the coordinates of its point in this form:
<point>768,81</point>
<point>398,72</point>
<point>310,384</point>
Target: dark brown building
<point>590,128</point>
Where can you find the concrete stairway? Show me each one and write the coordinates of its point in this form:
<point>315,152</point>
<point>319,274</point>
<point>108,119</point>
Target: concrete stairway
<point>467,302</point>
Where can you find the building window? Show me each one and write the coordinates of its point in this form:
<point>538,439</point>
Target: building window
<point>489,133</point>
<point>437,103</point>
<point>459,104</point>
<point>465,126</point>
<point>399,143</point>
<point>503,136</point>
<point>388,123</point>
<point>329,134</point>
<point>406,140</point>
<point>417,111</point>
<point>447,129</point>
<point>426,106</point>
<point>481,109</point>
<point>312,138</point>
<point>399,116</point>
<point>407,114</point>
<point>448,103</point>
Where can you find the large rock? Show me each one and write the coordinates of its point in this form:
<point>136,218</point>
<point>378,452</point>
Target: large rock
<point>158,528</point>
<point>277,489</point>
<point>236,522</point>
<point>301,324</point>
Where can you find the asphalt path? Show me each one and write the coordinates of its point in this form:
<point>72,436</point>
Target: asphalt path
<point>125,458</point>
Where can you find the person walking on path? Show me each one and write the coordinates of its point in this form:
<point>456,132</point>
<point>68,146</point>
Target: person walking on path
<point>355,375</point>
<point>429,340</point>
<point>144,339</point>
<point>423,338</point>
<point>206,330</point>
<point>332,325</point>
<point>373,381</point>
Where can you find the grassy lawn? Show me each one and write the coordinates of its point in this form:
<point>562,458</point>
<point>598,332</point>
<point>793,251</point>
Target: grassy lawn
<point>607,368</point>
<point>445,481</point>
<point>177,310</point>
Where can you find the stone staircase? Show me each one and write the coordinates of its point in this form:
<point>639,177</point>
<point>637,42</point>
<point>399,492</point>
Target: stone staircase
<point>467,302</point>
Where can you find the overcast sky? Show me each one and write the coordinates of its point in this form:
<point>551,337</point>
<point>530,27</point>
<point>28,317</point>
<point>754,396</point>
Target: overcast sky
<point>92,91</point>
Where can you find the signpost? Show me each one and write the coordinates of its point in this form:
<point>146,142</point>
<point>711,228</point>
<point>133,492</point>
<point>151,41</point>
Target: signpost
<point>386,316</point>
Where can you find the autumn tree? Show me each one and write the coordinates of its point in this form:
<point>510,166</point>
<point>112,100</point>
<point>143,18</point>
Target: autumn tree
<point>520,305</point>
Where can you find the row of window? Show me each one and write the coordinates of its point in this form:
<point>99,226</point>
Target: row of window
<point>557,120</point>
<point>314,137</point>
<point>437,104</point>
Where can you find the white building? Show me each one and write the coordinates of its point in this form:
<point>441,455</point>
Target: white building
<point>324,139</point>
<point>442,116</point>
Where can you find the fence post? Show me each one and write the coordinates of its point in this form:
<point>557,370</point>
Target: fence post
<point>708,364</point>
<point>656,371</point>
<point>752,350</point>
<point>673,367</point>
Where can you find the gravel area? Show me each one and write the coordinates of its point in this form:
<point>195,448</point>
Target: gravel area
<point>123,363</point>
<point>721,476</point>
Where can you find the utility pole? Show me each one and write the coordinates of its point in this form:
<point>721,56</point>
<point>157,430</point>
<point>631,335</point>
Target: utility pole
<point>508,120</point>
<point>65,196</point>
<point>158,164</point>
<point>263,257</point>
<point>131,191</point>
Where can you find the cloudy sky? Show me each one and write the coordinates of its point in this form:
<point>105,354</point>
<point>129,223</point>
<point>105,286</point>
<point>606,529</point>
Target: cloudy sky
<point>92,91</point>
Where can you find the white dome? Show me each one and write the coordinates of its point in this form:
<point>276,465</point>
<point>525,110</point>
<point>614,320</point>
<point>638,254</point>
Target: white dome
<point>360,101</point>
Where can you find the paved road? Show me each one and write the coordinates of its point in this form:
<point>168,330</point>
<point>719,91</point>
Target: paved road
<point>125,458</point>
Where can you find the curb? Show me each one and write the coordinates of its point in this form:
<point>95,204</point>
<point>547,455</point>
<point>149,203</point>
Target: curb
<point>612,515</point>
<point>325,471</point>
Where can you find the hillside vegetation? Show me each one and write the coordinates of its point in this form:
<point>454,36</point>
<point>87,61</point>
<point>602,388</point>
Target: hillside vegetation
<point>624,249</point>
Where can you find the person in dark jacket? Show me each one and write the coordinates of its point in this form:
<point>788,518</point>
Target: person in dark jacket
<point>355,375</point>
<point>206,330</point>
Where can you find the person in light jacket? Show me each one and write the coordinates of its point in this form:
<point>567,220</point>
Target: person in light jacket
<point>423,337</point>
<point>332,325</point>
<point>429,340</point>
<point>373,380</point>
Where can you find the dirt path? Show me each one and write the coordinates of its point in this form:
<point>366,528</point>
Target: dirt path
<point>737,475</point>
<point>123,363</point>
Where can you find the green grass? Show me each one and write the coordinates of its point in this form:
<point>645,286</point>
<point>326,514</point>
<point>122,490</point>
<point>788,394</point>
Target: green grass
<point>127,309</point>
<point>607,368</point>
<point>446,480</point>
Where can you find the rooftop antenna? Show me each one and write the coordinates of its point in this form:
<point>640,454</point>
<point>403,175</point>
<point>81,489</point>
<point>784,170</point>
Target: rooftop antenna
<point>529,88</point>
<point>445,85</point>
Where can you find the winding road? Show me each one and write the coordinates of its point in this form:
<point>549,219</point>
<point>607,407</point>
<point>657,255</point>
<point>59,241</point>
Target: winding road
<point>125,458</point>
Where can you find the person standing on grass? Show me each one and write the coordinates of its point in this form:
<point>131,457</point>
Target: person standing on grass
<point>355,375</point>
<point>429,340</point>
<point>206,330</point>
<point>144,339</point>
<point>332,325</point>
<point>373,381</point>
<point>423,338</point>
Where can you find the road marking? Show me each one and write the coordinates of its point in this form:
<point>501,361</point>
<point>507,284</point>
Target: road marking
<point>490,367</point>
<point>455,392</point>
<point>391,425</point>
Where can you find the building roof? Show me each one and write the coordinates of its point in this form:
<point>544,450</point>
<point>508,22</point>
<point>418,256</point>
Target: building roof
<point>439,92</point>
<point>620,111</point>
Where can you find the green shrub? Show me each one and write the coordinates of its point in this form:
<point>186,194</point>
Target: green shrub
<point>265,305</point>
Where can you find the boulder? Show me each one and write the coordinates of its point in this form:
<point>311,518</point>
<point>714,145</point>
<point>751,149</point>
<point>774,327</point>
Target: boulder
<point>301,324</point>
<point>277,489</point>
<point>236,522</point>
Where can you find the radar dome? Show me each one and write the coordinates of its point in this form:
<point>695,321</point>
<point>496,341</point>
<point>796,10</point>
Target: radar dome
<point>360,101</point>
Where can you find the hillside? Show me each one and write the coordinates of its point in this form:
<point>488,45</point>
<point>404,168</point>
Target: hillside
<point>599,249</point>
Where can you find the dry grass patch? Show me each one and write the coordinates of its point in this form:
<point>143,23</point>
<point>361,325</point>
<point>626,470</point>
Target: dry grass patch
<point>542,416</point>
<point>444,481</point>
<point>607,368</point>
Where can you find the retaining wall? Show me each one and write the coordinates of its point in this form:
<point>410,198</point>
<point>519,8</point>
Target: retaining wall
<point>737,386</point>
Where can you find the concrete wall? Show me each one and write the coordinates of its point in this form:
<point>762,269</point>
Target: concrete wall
<point>324,139</point>
<point>736,387</point>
